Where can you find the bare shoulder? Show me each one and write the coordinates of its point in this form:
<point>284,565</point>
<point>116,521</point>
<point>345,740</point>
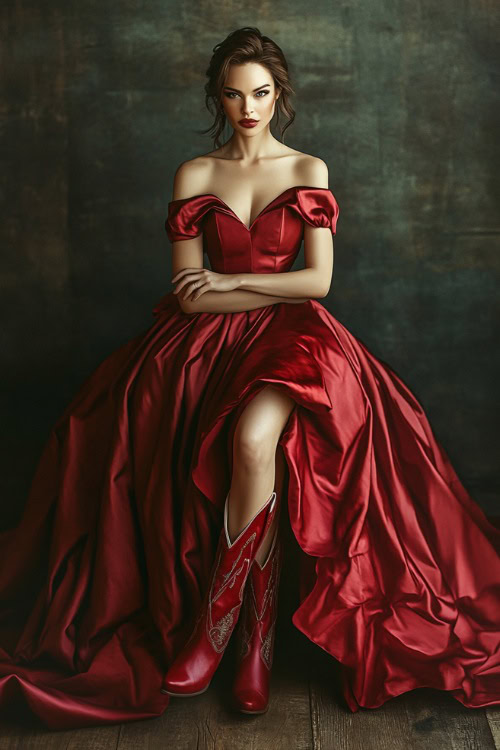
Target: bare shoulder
<point>191,176</point>
<point>313,171</point>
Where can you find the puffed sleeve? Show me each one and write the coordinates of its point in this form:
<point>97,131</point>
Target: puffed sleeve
<point>186,216</point>
<point>318,207</point>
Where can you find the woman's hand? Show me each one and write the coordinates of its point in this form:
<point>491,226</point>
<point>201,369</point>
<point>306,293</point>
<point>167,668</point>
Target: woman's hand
<point>197,281</point>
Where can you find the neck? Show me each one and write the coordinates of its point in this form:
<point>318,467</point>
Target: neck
<point>248,149</point>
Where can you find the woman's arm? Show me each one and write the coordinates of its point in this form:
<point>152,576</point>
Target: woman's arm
<point>314,282</point>
<point>189,253</point>
<point>239,289</point>
<point>193,281</point>
<point>234,301</point>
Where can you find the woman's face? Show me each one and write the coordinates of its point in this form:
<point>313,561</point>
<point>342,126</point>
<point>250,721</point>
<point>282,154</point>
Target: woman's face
<point>249,93</point>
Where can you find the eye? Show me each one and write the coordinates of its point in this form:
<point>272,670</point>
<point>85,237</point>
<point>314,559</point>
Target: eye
<point>232,94</point>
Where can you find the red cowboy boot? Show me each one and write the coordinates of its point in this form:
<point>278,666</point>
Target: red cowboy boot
<point>193,669</point>
<point>256,633</point>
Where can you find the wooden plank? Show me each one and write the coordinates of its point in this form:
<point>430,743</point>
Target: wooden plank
<point>439,722</point>
<point>493,718</point>
<point>335,727</point>
<point>26,733</point>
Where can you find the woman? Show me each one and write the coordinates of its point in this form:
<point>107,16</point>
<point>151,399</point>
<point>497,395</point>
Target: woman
<point>151,528</point>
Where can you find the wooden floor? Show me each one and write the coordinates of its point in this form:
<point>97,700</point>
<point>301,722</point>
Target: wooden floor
<point>306,711</point>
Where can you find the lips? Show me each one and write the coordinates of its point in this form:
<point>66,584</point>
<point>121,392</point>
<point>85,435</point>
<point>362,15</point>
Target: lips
<point>247,122</point>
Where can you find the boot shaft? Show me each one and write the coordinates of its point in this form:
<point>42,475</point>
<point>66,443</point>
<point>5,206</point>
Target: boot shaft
<point>231,570</point>
<point>260,606</point>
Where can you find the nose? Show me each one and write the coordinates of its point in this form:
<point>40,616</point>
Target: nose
<point>246,110</point>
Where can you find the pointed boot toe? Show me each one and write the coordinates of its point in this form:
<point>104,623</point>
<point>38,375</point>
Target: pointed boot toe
<point>180,682</point>
<point>252,702</point>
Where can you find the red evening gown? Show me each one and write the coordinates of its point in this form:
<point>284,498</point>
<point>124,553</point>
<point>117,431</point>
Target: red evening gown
<point>101,580</point>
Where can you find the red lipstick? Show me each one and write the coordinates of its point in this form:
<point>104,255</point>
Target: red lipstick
<point>248,123</point>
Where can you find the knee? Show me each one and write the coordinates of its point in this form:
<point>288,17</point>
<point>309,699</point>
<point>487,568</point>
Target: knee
<point>256,451</point>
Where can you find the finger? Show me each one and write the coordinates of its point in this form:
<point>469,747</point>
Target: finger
<point>189,290</point>
<point>201,290</point>
<point>178,275</point>
<point>186,280</point>
<point>181,273</point>
<point>192,289</point>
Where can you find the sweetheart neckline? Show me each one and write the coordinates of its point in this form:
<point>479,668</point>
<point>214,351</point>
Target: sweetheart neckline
<point>249,228</point>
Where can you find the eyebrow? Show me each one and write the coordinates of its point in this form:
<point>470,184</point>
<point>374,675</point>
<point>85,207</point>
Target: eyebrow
<point>240,92</point>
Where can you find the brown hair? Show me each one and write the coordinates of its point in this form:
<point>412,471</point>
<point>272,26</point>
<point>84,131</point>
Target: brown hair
<point>246,45</point>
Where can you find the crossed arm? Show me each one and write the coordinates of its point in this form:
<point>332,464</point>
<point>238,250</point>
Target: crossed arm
<point>201,290</point>
<point>233,301</point>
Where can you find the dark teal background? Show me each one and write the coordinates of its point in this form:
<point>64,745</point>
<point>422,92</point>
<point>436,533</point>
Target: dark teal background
<point>100,103</point>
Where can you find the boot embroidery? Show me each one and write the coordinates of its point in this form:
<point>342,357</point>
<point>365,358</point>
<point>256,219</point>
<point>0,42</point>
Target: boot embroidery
<point>266,650</point>
<point>244,640</point>
<point>229,578</point>
<point>218,633</point>
<point>246,634</point>
<point>268,594</point>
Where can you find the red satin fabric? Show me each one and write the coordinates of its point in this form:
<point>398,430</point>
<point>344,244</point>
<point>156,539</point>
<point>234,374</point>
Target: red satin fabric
<point>101,581</point>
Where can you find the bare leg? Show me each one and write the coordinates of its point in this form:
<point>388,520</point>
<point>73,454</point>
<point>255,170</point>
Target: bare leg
<point>258,467</point>
<point>280,465</point>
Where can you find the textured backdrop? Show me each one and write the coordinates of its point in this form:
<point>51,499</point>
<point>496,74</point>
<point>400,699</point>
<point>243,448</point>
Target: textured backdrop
<point>100,103</point>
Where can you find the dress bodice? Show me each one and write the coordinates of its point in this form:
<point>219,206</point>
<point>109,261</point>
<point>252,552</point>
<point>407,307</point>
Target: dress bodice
<point>272,241</point>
